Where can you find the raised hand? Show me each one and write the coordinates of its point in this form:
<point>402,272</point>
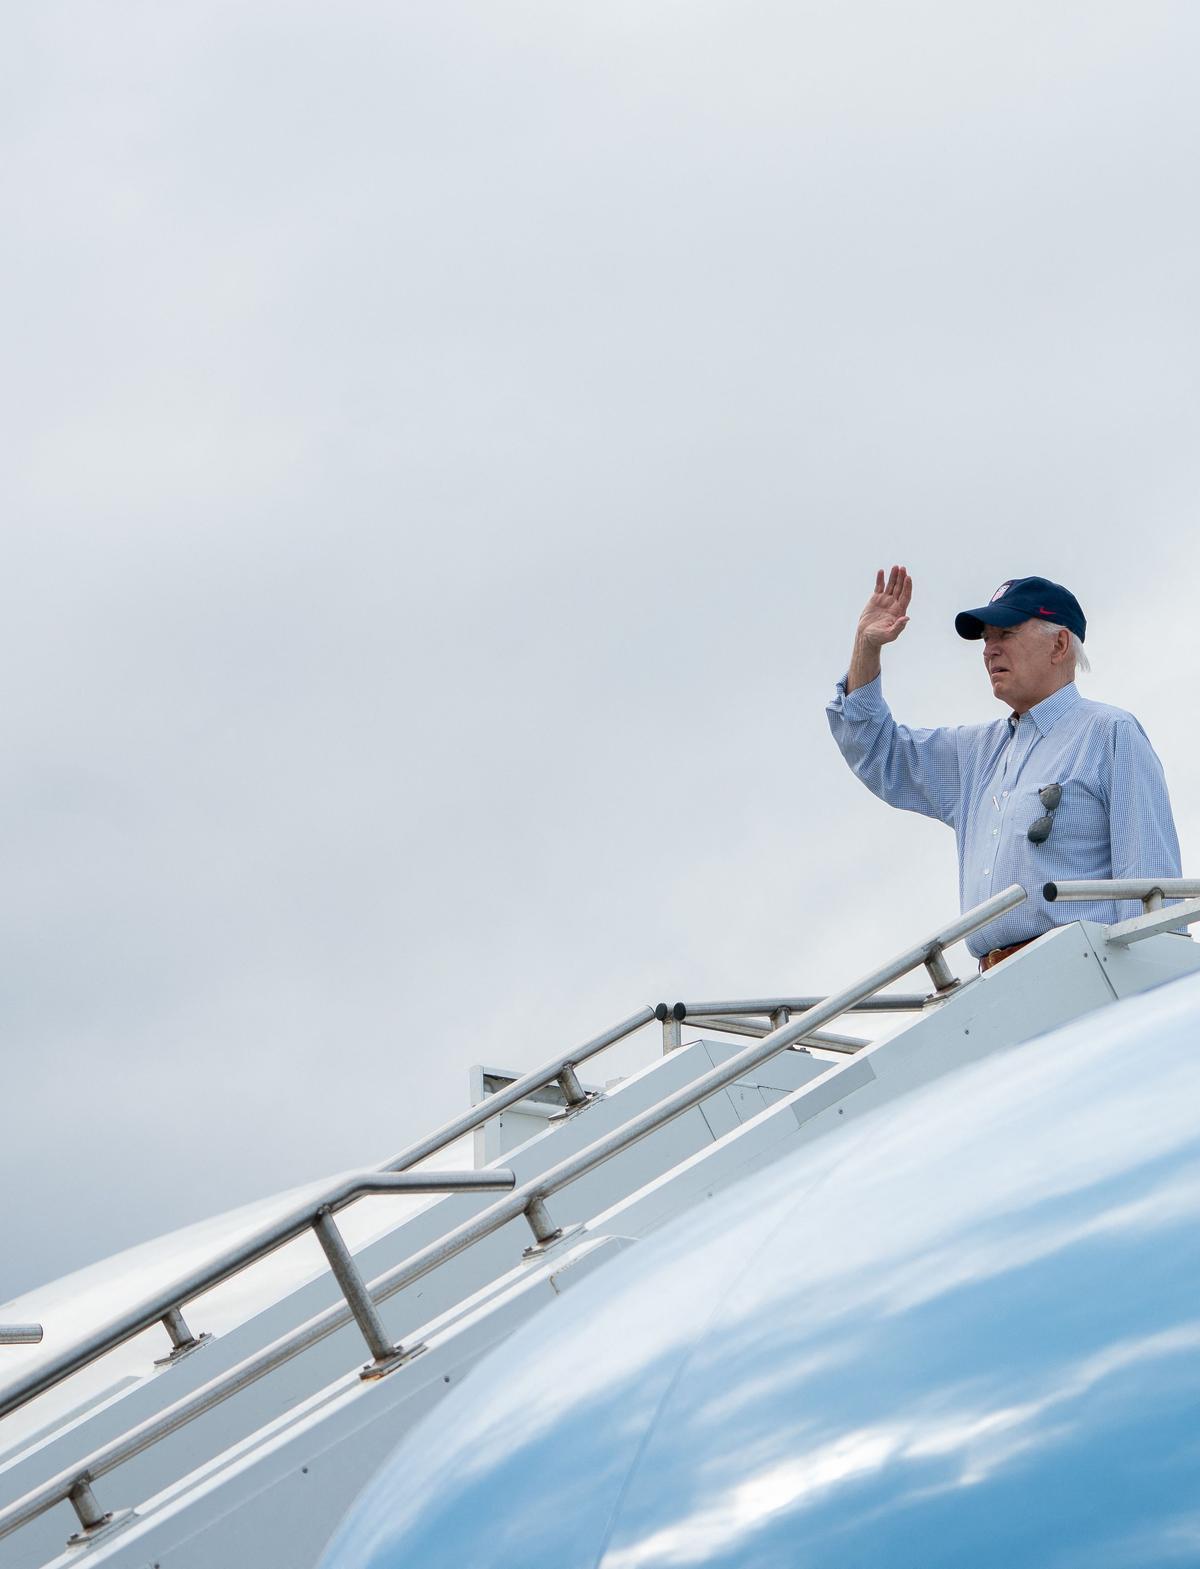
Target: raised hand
<point>884,617</point>
<point>886,612</point>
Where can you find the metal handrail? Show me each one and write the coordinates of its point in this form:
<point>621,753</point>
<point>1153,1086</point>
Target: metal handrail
<point>164,1305</point>
<point>748,1024</point>
<point>1147,889</point>
<point>20,1334</point>
<point>900,1002</point>
<point>558,1069</point>
<point>529,1201</point>
<point>777,1010</point>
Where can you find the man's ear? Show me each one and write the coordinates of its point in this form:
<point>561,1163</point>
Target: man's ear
<point>1062,641</point>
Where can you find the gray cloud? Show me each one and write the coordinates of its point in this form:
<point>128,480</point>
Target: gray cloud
<point>448,451</point>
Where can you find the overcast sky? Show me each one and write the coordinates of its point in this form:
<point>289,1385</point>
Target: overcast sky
<point>447,449</point>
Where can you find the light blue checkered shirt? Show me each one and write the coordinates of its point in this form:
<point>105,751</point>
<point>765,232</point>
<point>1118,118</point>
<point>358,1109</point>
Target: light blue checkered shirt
<point>983,781</point>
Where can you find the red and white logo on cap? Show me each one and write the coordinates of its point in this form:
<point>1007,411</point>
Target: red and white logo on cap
<point>1001,591</point>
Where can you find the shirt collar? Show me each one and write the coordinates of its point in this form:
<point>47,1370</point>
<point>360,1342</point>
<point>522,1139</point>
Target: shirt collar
<point>1046,714</point>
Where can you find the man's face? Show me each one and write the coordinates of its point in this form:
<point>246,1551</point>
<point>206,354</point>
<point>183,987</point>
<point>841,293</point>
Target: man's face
<point>1020,664</point>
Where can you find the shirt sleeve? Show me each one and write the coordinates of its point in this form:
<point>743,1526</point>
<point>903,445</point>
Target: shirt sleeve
<point>1140,823</point>
<point>916,770</point>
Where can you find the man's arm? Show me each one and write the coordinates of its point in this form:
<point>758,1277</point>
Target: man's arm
<point>916,770</point>
<point>884,617</point>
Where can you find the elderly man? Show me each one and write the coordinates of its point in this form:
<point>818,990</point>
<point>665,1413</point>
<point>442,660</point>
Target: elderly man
<point>1059,788</point>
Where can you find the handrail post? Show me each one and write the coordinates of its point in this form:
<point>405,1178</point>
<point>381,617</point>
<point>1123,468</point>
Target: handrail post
<point>568,1082</point>
<point>1153,900</point>
<point>540,1223</point>
<point>176,1327</point>
<point>182,1339</point>
<point>83,1501</point>
<point>671,1020</point>
<point>940,973</point>
<point>780,1017</point>
<point>346,1273</point>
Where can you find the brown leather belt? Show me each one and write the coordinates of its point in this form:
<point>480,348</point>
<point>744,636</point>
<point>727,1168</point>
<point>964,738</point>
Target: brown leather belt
<point>997,954</point>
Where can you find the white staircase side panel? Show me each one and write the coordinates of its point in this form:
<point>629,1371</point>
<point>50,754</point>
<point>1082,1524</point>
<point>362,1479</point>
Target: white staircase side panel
<point>1149,963</point>
<point>1054,980</point>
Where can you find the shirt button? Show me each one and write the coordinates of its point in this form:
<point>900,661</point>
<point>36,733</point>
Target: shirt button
<point>995,831</point>
<point>987,871</point>
<point>1006,792</point>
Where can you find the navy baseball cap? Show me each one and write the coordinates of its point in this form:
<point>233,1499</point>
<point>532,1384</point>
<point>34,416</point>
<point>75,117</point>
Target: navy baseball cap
<point>1024,599</point>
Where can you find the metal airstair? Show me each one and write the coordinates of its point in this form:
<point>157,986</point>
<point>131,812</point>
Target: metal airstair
<point>247,1446</point>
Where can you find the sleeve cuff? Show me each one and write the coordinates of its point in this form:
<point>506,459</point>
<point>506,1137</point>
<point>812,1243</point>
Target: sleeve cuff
<point>865,702</point>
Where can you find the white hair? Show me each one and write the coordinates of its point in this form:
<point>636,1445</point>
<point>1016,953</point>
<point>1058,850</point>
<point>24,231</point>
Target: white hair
<point>1083,664</point>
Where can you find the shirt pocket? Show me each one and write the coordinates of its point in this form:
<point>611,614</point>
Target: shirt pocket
<point>1078,838</point>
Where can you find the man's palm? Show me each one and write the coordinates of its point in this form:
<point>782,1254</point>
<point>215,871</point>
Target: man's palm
<point>886,612</point>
